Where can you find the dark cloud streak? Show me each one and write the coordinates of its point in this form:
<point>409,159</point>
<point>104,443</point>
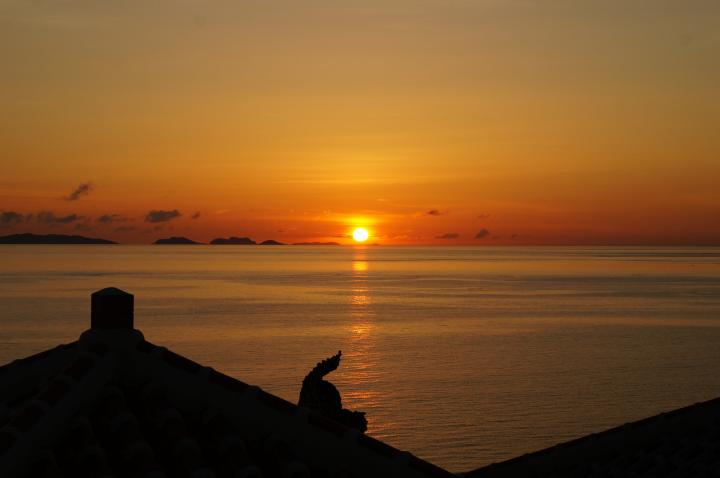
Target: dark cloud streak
<point>482,234</point>
<point>82,190</point>
<point>162,216</point>
<point>435,212</point>
<point>49,217</point>
<point>110,218</point>
<point>11,217</point>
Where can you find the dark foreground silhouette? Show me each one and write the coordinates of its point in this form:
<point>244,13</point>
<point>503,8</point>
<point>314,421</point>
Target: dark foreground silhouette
<point>113,404</point>
<point>29,238</point>
<point>322,396</point>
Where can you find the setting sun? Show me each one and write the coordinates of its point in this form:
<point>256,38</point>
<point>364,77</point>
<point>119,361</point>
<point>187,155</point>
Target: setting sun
<point>360,234</point>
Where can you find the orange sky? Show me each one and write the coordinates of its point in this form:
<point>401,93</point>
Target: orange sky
<point>558,122</point>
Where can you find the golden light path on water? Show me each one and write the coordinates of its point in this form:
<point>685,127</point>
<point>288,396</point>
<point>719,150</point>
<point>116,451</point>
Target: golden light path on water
<point>361,364</point>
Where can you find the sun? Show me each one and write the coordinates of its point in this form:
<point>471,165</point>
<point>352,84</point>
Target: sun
<point>360,234</point>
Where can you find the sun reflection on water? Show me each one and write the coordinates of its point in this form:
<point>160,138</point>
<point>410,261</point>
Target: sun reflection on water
<point>363,390</point>
<point>360,299</point>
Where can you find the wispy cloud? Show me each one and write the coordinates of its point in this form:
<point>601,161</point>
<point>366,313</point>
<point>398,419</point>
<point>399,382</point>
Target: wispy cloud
<point>162,216</point>
<point>482,234</point>
<point>11,217</point>
<point>49,217</point>
<point>111,218</point>
<point>436,212</point>
<point>82,190</point>
<point>448,235</point>
<point>196,215</point>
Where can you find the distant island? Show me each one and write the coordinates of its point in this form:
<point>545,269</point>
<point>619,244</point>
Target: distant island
<point>246,241</point>
<point>29,238</point>
<point>236,241</point>
<point>175,241</point>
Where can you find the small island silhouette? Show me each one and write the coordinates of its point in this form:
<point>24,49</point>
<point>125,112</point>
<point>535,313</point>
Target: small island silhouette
<point>235,241</point>
<point>29,238</point>
<point>176,240</point>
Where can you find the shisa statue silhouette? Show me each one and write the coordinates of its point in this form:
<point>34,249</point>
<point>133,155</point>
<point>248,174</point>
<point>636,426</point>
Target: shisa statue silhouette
<point>322,396</point>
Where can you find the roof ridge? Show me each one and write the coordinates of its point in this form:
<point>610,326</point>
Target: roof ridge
<point>588,439</point>
<point>59,386</point>
<point>279,404</point>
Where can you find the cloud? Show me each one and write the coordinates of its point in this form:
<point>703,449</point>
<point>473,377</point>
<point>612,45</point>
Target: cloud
<point>125,229</point>
<point>483,216</point>
<point>80,191</point>
<point>162,216</point>
<point>448,235</point>
<point>110,218</point>
<point>435,212</point>
<point>11,217</point>
<point>482,234</point>
<point>48,217</point>
<point>195,216</point>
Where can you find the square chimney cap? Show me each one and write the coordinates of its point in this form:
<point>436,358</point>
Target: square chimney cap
<point>111,308</point>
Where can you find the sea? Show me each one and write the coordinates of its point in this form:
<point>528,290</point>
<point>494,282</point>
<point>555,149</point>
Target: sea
<point>463,356</point>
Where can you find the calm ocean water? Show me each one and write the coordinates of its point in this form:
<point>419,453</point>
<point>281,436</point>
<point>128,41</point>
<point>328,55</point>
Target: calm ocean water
<point>462,356</point>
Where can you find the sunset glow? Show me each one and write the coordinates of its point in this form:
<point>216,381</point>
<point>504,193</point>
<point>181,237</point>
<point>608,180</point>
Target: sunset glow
<point>360,234</point>
<point>502,215</point>
<point>451,123</point>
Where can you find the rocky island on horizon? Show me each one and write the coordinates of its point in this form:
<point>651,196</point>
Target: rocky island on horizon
<point>29,238</point>
<point>246,241</point>
<point>176,240</point>
<point>235,241</point>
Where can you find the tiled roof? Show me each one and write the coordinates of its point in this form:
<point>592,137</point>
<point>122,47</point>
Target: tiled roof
<point>114,405</point>
<point>681,443</point>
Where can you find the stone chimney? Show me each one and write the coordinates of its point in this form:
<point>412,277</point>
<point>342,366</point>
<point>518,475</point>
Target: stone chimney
<point>111,309</point>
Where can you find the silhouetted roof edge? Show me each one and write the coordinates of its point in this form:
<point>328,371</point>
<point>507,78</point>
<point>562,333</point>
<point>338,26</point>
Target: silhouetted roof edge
<point>606,443</point>
<point>58,400</point>
<point>288,410</point>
